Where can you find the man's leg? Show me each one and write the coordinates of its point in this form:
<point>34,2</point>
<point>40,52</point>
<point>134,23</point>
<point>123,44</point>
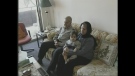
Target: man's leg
<point>54,60</point>
<point>43,49</point>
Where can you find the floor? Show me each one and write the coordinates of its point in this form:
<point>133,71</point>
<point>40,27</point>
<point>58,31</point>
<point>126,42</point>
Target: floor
<point>34,53</point>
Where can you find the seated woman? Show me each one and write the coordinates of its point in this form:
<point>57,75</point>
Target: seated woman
<point>84,55</point>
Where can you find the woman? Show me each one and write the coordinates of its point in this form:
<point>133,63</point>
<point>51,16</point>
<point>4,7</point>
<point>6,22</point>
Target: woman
<point>84,54</point>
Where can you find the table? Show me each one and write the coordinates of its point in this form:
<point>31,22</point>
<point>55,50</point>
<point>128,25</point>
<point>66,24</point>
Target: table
<point>36,65</point>
<point>41,35</point>
<point>21,55</point>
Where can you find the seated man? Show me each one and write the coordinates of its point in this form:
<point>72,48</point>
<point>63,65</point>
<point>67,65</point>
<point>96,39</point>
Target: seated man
<point>58,40</point>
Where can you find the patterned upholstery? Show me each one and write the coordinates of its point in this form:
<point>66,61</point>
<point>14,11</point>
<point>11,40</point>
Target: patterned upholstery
<point>96,68</point>
<point>99,65</point>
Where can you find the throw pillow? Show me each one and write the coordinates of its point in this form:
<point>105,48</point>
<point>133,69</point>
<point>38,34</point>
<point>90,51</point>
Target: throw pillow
<point>21,34</point>
<point>50,35</point>
<point>108,52</point>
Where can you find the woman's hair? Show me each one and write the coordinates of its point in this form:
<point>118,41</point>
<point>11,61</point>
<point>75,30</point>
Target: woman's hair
<point>88,27</point>
<point>73,33</point>
<point>88,34</point>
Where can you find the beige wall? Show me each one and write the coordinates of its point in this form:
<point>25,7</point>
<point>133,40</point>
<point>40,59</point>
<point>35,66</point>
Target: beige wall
<point>102,14</point>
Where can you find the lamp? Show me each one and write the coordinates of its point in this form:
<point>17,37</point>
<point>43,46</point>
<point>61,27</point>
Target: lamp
<point>46,3</point>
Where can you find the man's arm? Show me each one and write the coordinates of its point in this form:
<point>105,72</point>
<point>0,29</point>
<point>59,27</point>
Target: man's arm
<point>55,38</point>
<point>57,34</point>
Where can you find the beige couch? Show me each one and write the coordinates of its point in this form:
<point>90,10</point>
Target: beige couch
<point>105,59</point>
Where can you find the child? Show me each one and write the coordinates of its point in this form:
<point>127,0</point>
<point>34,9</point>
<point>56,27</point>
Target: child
<point>72,43</point>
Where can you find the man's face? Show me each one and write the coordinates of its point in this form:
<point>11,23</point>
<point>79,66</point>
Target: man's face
<point>73,37</point>
<point>67,23</point>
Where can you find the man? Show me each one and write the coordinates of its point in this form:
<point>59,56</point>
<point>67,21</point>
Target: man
<point>58,40</point>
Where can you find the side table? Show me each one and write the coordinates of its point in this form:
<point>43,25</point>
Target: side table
<point>36,68</point>
<point>41,35</point>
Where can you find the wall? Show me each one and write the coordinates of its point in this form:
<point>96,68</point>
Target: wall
<point>102,14</point>
<point>48,19</point>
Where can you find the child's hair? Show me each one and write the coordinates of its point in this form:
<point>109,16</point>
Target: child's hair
<point>73,33</point>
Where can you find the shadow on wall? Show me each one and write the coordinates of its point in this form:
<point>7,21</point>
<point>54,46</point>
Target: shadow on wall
<point>28,17</point>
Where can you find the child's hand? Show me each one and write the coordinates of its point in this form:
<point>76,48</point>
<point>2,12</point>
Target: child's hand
<point>75,50</point>
<point>66,49</point>
<point>67,61</point>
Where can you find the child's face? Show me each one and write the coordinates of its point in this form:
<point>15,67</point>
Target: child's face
<point>73,37</point>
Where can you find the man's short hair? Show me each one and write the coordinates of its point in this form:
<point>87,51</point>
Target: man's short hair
<point>69,18</point>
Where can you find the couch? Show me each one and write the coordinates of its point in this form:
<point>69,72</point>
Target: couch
<point>105,61</point>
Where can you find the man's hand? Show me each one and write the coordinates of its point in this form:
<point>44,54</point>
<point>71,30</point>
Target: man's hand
<point>56,43</point>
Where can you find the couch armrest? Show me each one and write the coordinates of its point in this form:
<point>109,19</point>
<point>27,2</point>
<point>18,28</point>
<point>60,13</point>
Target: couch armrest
<point>97,68</point>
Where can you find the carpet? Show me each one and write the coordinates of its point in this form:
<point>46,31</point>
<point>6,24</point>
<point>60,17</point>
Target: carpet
<point>34,53</point>
<point>33,44</point>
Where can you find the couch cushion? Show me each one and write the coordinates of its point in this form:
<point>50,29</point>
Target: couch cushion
<point>108,50</point>
<point>76,27</point>
<point>50,35</point>
<point>99,36</point>
<point>116,63</point>
<point>76,69</point>
<point>48,54</point>
<point>97,68</point>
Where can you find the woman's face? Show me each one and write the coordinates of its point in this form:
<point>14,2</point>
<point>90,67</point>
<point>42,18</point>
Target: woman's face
<point>83,29</point>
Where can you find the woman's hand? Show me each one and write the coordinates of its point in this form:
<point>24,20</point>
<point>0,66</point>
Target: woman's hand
<point>65,51</point>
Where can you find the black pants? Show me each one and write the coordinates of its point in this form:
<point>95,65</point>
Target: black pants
<point>67,69</point>
<point>44,48</point>
<point>55,57</point>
